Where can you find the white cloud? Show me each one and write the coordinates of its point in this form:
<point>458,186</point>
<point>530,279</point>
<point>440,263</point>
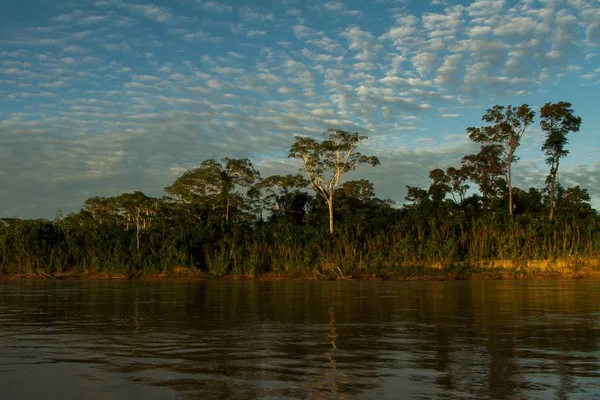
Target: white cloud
<point>337,7</point>
<point>81,18</point>
<point>424,62</point>
<point>202,37</point>
<point>326,44</point>
<point>68,60</point>
<point>294,12</point>
<point>253,33</point>
<point>362,42</point>
<point>249,14</point>
<point>73,49</point>
<point>301,31</point>
<point>593,32</point>
<point>152,12</point>
<point>479,31</point>
<point>216,7</point>
<point>106,94</point>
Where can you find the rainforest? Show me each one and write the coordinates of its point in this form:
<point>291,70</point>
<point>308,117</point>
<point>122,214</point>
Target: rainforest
<point>223,219</point>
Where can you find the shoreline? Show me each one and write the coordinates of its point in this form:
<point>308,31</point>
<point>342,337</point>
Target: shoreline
<point>575,268</point>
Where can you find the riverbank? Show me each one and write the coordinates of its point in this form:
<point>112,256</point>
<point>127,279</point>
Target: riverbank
<point>572,268</point>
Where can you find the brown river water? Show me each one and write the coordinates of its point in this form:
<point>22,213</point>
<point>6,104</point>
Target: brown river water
<point>299,340</point>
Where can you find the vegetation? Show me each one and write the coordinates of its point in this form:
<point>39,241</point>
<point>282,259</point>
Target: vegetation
<point>509,125</point>
<point>223,219</point>
<point>325,162</point>
<point>557,121</point>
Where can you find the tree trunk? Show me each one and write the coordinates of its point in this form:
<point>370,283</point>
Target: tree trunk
<point>330,205</point>
<point>227,213</point>
<point>554,171</point>
<point>510,196</point>
<point>551,216</point>
<point>137,231</point>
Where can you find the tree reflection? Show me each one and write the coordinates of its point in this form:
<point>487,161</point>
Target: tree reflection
<point>321,339</point>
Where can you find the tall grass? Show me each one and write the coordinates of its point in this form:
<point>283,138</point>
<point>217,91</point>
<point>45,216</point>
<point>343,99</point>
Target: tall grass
<point>33,247</point>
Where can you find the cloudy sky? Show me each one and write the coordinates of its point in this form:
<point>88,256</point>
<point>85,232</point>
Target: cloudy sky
<point>104,97</point>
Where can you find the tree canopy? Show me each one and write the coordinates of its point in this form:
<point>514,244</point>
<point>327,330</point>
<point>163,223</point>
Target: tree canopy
<point>326,161</point>
<point>222,218</point>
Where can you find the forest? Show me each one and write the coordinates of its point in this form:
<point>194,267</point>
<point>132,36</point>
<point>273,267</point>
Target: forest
<point>222,219</point>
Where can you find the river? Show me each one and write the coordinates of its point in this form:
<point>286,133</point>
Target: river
<point>298,340</point>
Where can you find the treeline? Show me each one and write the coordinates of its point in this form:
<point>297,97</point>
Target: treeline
<point>223,218</point>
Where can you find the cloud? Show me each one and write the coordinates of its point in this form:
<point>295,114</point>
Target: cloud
<point>326,43</point>
<point>202,37</point>
<point>214,6</point>
<point>337,7</point>
<point>155,13</point>
<point>301,32</point>
<point>424,62</point>
<point>80,17</point>
<point>363,42</point>
<point>253,33</point>
<point>449,73</point>
<point>249,14</point>
<point>593,32</point>
<point>73,49</point>
<point>99,108</point>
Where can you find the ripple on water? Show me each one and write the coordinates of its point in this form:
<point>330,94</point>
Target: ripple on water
<point>302,340</point>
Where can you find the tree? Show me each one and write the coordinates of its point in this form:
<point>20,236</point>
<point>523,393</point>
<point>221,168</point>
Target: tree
<point>214,186</point>
<point>440,186</point>
<point>416,195</point>
<point>129,210</point>
<point>458,185</point>
<point>452,181</point>
<point>284,196</point>
<point>361,190</point>
<point>102,210</point>
<point>507,129</point>
<point>557,121</point>
<point>529,202</point>
<point>358,207</point>
<point>486,169</point>
<point>326,161</point>
<point>137,210</point>
<point>574,202</point>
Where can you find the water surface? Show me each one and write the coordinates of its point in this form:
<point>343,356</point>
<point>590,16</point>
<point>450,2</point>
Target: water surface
<point>271,340</point>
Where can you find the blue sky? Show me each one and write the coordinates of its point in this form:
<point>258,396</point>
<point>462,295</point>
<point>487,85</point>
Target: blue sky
<point>104,97</point>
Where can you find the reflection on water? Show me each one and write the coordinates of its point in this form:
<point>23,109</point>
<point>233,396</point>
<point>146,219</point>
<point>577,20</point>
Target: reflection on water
<point>247,340</point>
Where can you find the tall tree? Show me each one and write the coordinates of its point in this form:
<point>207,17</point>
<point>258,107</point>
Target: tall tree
<point>326,161</point>
<point>440,186</point>
<point>557,120</point>
<point>129,210</point>
<point>486,169</point>
<point>361,190</point>
<point>137,210</point>
<point>102,210</point>
<point>284,196</point>
<point>508,124</point>
<point>215,186</point>
<point>416,195</point>
<point>358,207</point>
<point>575,201</point>
<point>458,182</point>
<point>451,181</point>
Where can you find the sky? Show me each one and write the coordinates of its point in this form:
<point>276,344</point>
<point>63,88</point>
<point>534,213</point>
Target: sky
<point>102,97</point>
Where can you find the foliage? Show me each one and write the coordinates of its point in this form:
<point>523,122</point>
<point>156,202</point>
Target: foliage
<point>325,162</point>
<point>214,220</point>
<point>217,188</point>
<point>557,121</point>
<point>508,126</point>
